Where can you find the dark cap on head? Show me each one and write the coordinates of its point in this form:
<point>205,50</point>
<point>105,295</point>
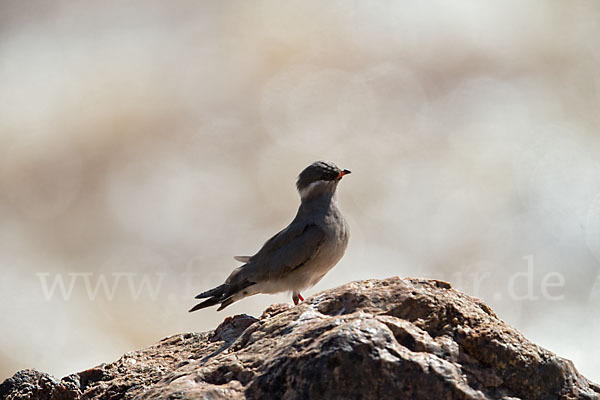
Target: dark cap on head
<point>319,171</point>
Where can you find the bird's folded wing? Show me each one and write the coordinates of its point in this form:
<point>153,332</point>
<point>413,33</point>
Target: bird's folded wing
<point>289,249</point>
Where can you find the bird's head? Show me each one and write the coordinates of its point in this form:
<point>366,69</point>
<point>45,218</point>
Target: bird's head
<point>319,178</point>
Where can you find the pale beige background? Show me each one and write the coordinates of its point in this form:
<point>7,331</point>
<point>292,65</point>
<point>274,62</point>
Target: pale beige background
<point>150,138</point>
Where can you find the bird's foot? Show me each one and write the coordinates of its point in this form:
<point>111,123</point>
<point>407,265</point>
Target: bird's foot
<point>297,297</point>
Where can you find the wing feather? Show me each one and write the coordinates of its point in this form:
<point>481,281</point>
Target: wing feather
<point>284,252</point>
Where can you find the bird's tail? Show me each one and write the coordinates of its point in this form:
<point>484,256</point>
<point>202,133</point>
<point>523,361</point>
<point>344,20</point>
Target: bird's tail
<point>218,291</point>
<point>223,294</point>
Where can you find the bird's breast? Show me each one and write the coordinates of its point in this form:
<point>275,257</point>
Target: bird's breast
<point>337,235</point>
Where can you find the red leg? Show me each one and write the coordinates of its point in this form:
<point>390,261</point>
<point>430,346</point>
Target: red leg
<point>295,298</point>
<point>300,297</point>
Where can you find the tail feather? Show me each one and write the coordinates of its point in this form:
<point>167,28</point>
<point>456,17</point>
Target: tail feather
<point>218,291</point>
<point>206,303</point>
<point>225,303</point>
<point>223,294</point>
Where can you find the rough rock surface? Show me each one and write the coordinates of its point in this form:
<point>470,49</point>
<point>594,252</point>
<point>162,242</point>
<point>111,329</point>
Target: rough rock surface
<point>375,339</point>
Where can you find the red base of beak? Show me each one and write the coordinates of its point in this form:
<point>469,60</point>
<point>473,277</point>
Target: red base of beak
<point>342,173</point>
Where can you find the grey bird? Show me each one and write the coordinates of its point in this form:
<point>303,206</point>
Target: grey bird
<point>300,255</point>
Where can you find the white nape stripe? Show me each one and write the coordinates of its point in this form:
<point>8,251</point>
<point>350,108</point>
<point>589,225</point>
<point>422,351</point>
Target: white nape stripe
<point>307,190</point>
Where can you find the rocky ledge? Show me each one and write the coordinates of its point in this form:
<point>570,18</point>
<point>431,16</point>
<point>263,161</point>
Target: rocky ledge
<point>376,339</point>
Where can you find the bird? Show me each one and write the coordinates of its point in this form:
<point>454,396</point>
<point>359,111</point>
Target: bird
<point>299,255</point>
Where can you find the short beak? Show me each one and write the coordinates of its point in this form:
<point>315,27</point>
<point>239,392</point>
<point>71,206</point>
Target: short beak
<point>344,172</point>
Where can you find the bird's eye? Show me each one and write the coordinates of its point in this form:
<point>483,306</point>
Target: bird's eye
<point>329,176</point>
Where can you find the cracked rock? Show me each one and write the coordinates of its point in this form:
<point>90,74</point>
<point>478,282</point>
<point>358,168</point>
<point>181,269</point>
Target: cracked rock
<point>375,339</point>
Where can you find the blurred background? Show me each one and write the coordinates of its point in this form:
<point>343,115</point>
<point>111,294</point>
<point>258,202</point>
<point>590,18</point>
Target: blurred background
<point>145,143</point>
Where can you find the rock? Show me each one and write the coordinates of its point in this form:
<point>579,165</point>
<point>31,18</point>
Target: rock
<point>375,339</point>
<point>28,384</point>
